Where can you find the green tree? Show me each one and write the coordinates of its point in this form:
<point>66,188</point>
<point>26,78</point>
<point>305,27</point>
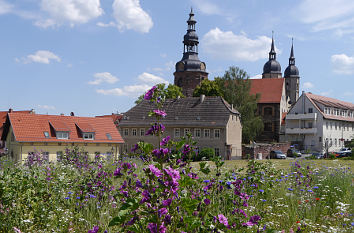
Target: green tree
<point>171,92</point>
<point>208,88</point>
<point>235,87</point>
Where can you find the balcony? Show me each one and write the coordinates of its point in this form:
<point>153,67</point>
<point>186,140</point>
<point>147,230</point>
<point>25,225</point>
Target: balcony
<point>300,130</point>
<point>302,116</point>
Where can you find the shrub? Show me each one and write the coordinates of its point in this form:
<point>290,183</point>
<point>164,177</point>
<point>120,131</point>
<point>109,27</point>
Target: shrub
<point>205,154</point>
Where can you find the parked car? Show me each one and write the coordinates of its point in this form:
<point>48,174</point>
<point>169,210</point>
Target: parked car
<point>344,152</point>
<point>293,153</point>
<point>277,154</point>
<point>318,155</point>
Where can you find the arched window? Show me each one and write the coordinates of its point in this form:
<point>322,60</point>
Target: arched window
<point>268,111</point>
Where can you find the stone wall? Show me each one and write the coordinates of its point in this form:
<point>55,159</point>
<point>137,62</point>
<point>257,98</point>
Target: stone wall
<point>250,152</point>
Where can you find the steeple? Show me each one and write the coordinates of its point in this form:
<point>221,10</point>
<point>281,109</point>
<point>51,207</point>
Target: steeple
<point>272,53</point>
<point>292,78</point>
<point>272,68</point>
<point>292,58</point>
<point>190,61</point>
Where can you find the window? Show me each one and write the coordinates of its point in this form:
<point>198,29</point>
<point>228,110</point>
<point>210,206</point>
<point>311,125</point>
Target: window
<point>197,133</point>
<point>45,155</point>
<point>142,132</point>
<point>59,156</point>
<point>46,134</point>
<point>134,132</point>
<point>335,125</point>
<point>268,111</point>
<point>335,141</point>
<point>126,132</point>
<point>310,110</point>
<point>216,133</point>
<point>108,135</point>
<point>12,137</point>
<point>177,132</point>
<point>206,133</point>
<point>186,131</point>
<point>62,135</point>
<point>268,127</point>
<point>319,139</point>
<point>125,148</point>
<point>326,124</point>
<point>88,136</point>
<point>309,125</point>
<point>217,151</point>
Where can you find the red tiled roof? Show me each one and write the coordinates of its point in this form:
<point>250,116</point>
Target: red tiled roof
<point>59,125</point>
<point>115,117</point>
<point>85,127</point>
<point>31,128</point>
<point>331,102</point>
<point>270,89</point>
<point>3,115</point>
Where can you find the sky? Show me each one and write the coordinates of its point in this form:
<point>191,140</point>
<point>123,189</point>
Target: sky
<point>95,57</point>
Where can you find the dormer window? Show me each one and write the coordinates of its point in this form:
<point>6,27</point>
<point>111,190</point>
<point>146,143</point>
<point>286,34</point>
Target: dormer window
<point>88,136</point>
<point>62,135</point>
<point>46,134</point>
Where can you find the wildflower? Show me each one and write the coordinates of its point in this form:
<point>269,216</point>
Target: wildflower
<point>159,112</point>
<point>206,201</point>
<point>155,170</point>
<point>149,93</point>
<point>261,190</point>
<point>135,148</point>
<point>94,229</point>
<point>152,227</point>
<point>310,191</point>
<point>290,189</point>
<point>186,149</point>
<point>253,221</point>
<point>162,211</point>
<point>223,220</point>
<point>317,198</point>
<point>164,141</point>
<point>67,198</point>
<point>167,202</point>
<point>206,181</point>
<point>315,187</point>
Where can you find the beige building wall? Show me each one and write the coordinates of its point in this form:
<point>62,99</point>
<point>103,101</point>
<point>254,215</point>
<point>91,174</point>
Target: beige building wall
<point>234,136</point>
<point>20,150</point>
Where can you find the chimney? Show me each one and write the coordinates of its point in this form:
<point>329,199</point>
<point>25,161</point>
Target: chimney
<point>202,97</point>
<point>10,110</point>
<point>61,114</point>
<point>72,114</point>
<point>32,111</point>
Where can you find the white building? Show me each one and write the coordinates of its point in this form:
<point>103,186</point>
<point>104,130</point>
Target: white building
<point>317,122</point>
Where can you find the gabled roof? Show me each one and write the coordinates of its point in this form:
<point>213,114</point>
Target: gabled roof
<point>330,102</point>
<point>115,117</point>
<point>212,111</point>
<point>31,128</point>
<point>270,89</point>
<point>85,127</point>
<point>3,115</point>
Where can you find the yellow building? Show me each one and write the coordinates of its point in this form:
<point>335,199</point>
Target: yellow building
<point>51,135</point>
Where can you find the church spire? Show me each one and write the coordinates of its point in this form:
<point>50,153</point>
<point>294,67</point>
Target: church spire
<point>272,53</point>
<point>292,57</point>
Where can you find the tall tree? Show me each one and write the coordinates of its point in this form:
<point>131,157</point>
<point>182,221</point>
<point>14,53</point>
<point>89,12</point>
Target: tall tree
<point>171,92</point>
<point>235,86</point>
<point>208,88</point>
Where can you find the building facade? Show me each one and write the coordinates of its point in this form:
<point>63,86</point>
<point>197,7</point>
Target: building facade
<point>319,123</point>
<point>50,135</point>
<point>190,71</point>
<point>211,121</point>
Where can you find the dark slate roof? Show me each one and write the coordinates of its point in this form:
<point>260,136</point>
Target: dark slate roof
<point>213,111</point>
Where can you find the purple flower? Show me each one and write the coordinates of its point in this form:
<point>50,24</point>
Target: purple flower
<point>165,141</point>
<point>117,172</point>
<point>135,148</point>
<point>206,201</point>
<point>253,221</point>
<point>148,95</point>
<point>155,129</point>
<point>94,229</point>
<point>261,190</point>
<point>290,189</point>
<point>155,170</point>
<point>162,211</point>
<point>152,227</point>
<point>159,112</point>
<point>167,202</point>
<point>186,149</point>
<point>173,173</point>
<point>223,220</point>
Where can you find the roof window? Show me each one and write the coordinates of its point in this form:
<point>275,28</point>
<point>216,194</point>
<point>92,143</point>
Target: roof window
<point>109,137</point>
<point>46,134</point>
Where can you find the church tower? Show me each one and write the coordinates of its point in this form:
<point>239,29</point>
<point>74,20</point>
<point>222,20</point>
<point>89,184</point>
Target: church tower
<point>272,68</point>
<point>190,71</point>
<point>292,78</point>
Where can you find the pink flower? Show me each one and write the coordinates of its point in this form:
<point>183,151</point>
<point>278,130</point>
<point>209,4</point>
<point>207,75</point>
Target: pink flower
<point>150,93</point>
<point>160,112</point>
<point>155,170</point>
<point>223,220</point>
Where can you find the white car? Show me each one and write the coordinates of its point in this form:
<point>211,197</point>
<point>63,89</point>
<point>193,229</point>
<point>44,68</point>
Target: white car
<point>277,154</point>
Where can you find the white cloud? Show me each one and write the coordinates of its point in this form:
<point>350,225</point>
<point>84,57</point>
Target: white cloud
<point>70,11</point>
<point>5,7</point>
<point>150,78</point>
<point>227,45</point>
<point>326,14</point>
<point>47,107</point>
<point>258,76</point>
<point>132,90</point>
<point>130,15</point>
<point>105,25</point>
<point>307,85</point>
<point>207,7</point>
<point>103,77</point>
<point>41,56</point>
<point>342,64</point>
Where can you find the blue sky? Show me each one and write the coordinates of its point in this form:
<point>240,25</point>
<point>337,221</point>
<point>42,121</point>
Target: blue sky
<point>94,57</point>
